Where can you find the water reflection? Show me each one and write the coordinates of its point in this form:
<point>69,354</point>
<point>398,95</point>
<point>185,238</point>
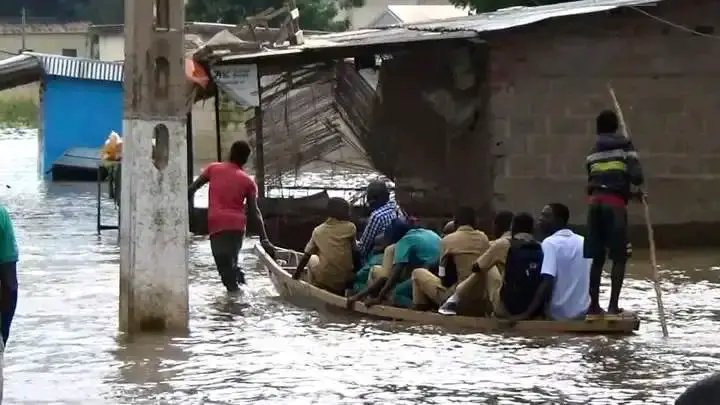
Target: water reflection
<point>147,367</point>
<point>256,348</point>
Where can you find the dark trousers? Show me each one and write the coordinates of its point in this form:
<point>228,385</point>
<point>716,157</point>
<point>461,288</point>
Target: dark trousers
<point>8,274</point>
<point>607,233</point>
<point>225,246</point>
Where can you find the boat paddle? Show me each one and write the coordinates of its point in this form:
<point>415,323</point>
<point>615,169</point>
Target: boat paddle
<point>651,234</point>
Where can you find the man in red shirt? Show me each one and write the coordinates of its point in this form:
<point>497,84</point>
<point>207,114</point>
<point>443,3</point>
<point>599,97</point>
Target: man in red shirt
<point>233,199</point>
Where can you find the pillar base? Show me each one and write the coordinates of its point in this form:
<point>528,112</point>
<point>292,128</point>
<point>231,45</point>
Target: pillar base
<point>153,229</point>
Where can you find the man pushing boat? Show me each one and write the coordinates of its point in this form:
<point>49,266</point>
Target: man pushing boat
<point>232,193</point>
<point>613,169</point>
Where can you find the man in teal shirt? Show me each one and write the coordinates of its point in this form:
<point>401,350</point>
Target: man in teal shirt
<point>8,272</point>
<point>414,248</point>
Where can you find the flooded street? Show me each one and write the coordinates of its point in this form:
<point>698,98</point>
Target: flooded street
<point>64,346</point>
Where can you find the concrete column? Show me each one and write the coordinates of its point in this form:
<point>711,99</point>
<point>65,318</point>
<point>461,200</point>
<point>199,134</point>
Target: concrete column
<point>153,200</point>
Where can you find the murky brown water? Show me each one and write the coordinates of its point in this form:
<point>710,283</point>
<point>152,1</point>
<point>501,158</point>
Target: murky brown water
<point>64,347</point>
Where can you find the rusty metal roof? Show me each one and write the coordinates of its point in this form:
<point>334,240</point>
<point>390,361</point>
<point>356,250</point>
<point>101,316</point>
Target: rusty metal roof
<point>80,68</point>
<point>519,16</point>
<point>368,37</point>
<point>451,28</point>
<point>78,27</point>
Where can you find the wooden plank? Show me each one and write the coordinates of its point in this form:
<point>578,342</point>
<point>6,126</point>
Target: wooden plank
<point>287,287</point>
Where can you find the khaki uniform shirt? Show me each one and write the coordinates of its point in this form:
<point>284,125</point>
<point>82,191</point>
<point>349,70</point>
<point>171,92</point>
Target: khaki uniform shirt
<point>465,245</point>
<point>332,241</point>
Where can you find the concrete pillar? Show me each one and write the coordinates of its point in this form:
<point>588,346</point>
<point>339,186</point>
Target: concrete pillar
<point>153,200</point>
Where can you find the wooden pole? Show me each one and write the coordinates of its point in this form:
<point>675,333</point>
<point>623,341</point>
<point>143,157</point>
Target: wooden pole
<point>190,167</point>
<point>648,223</point>
<point>190,148</point>
<point>218,139</point>
<point>259,142</point>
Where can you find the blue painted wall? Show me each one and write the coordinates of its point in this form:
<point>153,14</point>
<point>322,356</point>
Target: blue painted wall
<point>78,113</point>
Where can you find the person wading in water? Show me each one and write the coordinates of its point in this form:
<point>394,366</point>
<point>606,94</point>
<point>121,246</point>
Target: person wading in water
<point>233,199</point>
<point>612,168</point>
<point>8,281</point>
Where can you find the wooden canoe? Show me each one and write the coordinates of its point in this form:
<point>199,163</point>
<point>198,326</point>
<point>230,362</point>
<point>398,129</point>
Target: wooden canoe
<point>300,290</point>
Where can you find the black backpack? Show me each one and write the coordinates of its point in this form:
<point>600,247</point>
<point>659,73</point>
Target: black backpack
<point>522,275</point>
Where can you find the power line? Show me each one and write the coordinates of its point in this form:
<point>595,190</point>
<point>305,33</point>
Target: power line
<point>672,24</point>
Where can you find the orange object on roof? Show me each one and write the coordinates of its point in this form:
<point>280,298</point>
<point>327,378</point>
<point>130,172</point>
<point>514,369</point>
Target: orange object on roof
<point>196,73</point>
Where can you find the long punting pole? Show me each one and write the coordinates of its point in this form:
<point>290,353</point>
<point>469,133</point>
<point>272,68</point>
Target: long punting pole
<point>648,223</point>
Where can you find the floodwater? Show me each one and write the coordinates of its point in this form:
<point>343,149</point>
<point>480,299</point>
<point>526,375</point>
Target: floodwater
<point>65,347</point>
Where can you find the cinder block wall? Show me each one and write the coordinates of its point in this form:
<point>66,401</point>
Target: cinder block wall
<point>550,80</point>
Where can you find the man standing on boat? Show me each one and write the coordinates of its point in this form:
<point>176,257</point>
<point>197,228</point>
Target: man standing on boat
<point>232,201</point>
<point>613,168</point>
<point>383,212</point>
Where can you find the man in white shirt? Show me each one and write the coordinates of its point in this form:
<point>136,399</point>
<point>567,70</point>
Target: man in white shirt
<point>565,272</point>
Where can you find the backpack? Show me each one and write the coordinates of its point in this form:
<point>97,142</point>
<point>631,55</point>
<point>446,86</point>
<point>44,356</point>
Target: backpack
<point>522,275</point>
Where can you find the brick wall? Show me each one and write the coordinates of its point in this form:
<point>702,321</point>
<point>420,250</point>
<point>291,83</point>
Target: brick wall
<point>549,80</point>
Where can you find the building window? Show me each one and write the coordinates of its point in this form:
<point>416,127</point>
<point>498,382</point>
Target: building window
<point>95,47</point>
<point>69,52</point>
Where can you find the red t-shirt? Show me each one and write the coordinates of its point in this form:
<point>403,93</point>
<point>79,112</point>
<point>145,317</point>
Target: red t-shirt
<point>230,187</point>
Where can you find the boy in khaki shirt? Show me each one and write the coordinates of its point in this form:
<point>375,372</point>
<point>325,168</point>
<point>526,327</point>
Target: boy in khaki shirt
<point>459,250</point>
<point>329,252</point>
<point>484,284</point>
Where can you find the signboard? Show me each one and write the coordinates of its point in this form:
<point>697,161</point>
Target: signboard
<point>240,82</point>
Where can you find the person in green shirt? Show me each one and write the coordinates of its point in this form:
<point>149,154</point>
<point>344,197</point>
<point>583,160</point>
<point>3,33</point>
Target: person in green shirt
<point>375,259</point>
<point>415,247</point>
<point>8,272</point>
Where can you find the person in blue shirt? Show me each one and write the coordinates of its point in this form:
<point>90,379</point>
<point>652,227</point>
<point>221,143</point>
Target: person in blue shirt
<point>383,212</point>
<point>8,272</point>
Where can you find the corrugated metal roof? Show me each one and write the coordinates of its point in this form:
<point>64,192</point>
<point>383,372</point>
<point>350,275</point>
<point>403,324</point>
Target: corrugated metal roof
<point>80,68</point>
<point>443,29</point>
<point>368,37</point>
<point>78,27</point>
<point>519,16</point>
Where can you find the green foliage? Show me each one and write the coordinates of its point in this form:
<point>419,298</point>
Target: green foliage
<point>19,111</point>
<point>484,6</point>
<point>97,11</point>
<point>314,14</point>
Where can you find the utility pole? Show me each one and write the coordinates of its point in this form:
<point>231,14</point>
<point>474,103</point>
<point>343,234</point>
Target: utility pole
<point>153,198</point>
<point>23,22</point>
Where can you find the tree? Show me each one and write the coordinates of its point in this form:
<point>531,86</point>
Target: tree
<point>484,6</point>
<point>96,11</point>
<point>99,11</point>
<point>314,14</point>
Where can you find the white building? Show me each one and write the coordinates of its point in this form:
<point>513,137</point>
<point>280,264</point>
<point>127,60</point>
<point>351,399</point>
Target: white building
<point>412,14</point>
<point>399,11</point>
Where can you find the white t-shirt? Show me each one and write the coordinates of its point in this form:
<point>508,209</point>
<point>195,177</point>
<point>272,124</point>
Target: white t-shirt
<point>563,259</point>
